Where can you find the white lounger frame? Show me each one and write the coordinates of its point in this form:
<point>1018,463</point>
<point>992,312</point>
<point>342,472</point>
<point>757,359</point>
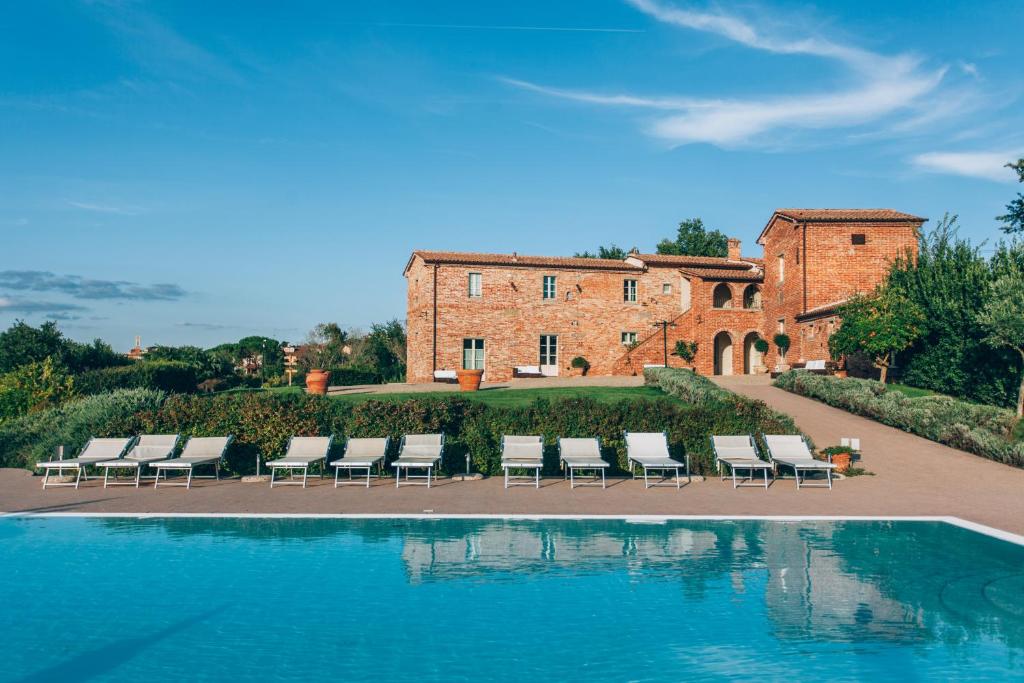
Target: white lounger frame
<point>164,451</point>
<point>522,463</point>
<point>569,469</point>
<point>190,466</point>
<point>662,468</point>
<point>750,465</point>
<point>277,464</point>
<point>356,464</point>
<point>808,464</point>
<point>428,465</point>
<point>79,466</point>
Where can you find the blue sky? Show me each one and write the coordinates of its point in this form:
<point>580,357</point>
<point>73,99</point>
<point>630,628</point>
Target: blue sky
<point>197,172</point>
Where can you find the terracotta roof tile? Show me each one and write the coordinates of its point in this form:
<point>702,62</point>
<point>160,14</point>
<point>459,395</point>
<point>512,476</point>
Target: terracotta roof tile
<point>514,260</point>
<point>700,261</point>
<point>820,311</point>
<point>848,215</point>
<point>725,274</point>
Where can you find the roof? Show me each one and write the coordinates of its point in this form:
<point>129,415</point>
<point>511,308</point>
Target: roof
<point>821,311</point>
<point>749,275</point>
<point>699,261</point>
<point>516,260</point>
<point>841,216</point>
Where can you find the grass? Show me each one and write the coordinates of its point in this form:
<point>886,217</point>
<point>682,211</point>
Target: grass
<point>912,392</point>
<point>503,396</point>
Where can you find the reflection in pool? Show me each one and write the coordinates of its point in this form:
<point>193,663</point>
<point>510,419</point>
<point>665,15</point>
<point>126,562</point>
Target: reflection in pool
<point>221,599</point>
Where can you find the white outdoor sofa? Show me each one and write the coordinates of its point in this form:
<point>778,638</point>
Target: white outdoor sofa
<point>361,454</point>
<point>584,455</point>
<point>445,376</point>
<point>148,449</point>
<point>527,371</point>
<point>739,453</point>
<point>418,452</point>
<point>94,452</point>
<point>649,450</point>
<point>302,453</point>
<point>792,451</point>
<point>522,453</point>
<point>198,452</point>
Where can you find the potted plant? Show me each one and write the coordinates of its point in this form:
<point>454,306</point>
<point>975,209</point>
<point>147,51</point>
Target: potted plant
<point>580,365</point>
<point>469,380</point>
<point>687,350</point>
<point>782,342</point>
<point>761,346</point>
<point>841,372</point>
<point>323,351</point>
<point>840,456</point>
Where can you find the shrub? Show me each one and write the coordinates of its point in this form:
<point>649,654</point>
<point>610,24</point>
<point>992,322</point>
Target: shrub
<point>34,386</point>
<point>354,374</point>
<point>171,376</point>
<point>35,437</point>
<point>580,363</point>
<point>979,429</point>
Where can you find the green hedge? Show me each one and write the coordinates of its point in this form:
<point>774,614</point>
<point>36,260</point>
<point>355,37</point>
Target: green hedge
<point>352,375</point>
<point>979,429</point>
<point>31,438</point>
<point>262,423</point>
<point>163,375</point>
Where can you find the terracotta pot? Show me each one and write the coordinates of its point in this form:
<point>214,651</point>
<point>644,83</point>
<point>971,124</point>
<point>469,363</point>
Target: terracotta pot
<point>316,381</point>
<point>841,374</point>
<point>841,461</point>
<point>469,380</point>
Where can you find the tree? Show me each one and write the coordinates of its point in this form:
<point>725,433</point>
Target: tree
<point>34,386</point>
<point>208,364</point>
<point>383,350</point>
<point>693,239</point>
<point>1002,318</point>
<point>1013,221</point>
<point>876,325</point>
<point>327,342</point>
<point>782,341</point>
<point>21,344</point>
<point>612,251</point>
<point>687,350</point>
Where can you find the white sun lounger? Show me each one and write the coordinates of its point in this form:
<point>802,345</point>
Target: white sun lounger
<point>583,455</point>
<point>199,451</point>
<point>361,454</point>
<point>792,451</point>
<point>739,453</point>
<point>522,453</point>
<point>93,453</point>
<point>302,453</point>
<point>418,452</point>
<point>148,449</point>
<point>649,450</point>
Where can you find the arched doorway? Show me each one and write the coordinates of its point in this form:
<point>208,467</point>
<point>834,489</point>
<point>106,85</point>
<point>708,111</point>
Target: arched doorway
<point>751,356</point>
<point>723,354</point>
<point>752,298</point>
<point>721,296</point>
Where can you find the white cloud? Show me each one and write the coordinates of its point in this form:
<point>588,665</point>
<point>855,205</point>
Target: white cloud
<point>107,208</point>
<point>885,85</point>
<point>986,165</point>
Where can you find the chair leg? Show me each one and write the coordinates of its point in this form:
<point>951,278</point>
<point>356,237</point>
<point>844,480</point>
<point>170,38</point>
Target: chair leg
<point>138,475</point>
<point>646,484</point>
<point>188,484</point>
<point>572,479</point>
<point>305,475</point>
<point>765,470</point>
<point>106,476</point>
<point>602,478</point>
<point>828,473</point>
<point>678,484</point>
<point>506,477</point>
<point>368,469</point>
<point>79,477</point>
<point>536,482</point>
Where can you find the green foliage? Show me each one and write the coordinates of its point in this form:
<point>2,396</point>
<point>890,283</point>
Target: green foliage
<point>33,387</point>
<point>979,429</point>
<point>164,375</point>
<point>761,345</point>
<point>31,438</point>
<point>687,350</point>
<point>876,325</point>
<point>349,375</point>
<point>580,363</point>
<point>383,350</point>
<point>21,344</point>
<point>693,239</point>
<point>208,364</point>
<point>325,347</point>
<point>1013,221</point>
<point>612,251</point>
<point>782,341</point>
<point>1002,317</point>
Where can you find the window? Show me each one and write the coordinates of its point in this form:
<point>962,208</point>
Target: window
<point>782,268</point>
<point>472,354</point>
<point>782,326</point>
<point>666,288</point>
<point>721,296</point>
<point>628,338</point>
<point>629,291</point>
<point>548,350</point>
<point>549,287</point>
<point>475,285</point>
<point>858,238</point>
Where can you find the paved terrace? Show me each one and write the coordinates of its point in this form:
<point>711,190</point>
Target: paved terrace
<point>914,477</point>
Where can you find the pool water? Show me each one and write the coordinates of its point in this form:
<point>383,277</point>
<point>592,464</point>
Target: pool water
<point>218,599</point>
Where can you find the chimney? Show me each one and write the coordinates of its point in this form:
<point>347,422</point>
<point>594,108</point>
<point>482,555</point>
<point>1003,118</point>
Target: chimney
<point>734,249</point>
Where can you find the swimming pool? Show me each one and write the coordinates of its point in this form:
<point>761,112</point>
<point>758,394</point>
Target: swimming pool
<point>217,599</point>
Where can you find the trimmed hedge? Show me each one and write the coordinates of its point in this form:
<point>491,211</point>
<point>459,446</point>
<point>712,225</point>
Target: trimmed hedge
<point>32,438</point>
<point>162,375</point>
<point>979,429</point>
<point>262,423</point>
<point>351,375</point>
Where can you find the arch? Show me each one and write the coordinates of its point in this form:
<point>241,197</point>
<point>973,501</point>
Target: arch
<point>751,357</point>
<point>721,296</point>
<point>752,297</point>
<point>723,353</point>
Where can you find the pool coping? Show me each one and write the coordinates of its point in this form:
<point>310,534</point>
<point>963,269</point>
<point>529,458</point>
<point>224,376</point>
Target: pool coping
<point>983,529</point>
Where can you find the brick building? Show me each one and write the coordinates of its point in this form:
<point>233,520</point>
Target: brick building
<point>500,311</point>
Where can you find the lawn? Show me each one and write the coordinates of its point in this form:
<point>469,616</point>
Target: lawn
<point>504,396</point>
<point>912,392</point>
